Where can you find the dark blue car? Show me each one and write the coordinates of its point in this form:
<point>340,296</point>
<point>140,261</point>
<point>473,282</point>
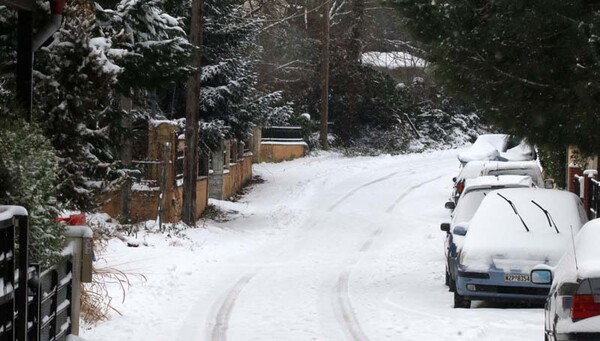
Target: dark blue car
<point>512,231</point>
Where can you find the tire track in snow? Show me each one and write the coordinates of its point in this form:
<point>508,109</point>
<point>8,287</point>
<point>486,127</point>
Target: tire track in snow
<point>221,320</point>
<point>378,180</point>
<point>405,194</point>
<point>351,324</point>
<point>352,192</point>
<point>343,303</point>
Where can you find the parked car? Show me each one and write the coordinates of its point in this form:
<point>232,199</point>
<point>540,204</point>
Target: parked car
<point>472,196</point>
<point>475,169</point>
<point>501,147</point>
<point>512,231</point>
<point>572,310</point>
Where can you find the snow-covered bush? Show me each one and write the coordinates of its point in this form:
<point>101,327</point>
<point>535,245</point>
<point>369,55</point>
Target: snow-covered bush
<point>442,121</point>
<point>28,170</point>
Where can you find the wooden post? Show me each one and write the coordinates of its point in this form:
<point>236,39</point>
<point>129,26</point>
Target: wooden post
<point>325,76</point>
<point>166,158</point>
<point>192,113</point>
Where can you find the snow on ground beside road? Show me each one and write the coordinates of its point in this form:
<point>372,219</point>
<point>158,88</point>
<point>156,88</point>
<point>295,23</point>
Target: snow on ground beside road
<point>327,248</point>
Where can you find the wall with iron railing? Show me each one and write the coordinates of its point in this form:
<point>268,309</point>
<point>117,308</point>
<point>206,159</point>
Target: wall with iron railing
<point>39,304</point>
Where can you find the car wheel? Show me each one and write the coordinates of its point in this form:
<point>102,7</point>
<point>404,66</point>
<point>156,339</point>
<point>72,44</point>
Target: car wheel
<point>447,279</point>
<point>461,301</point>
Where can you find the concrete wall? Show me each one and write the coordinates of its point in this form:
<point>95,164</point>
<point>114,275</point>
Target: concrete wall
<point>144,203</point>
<point>237,176</point>
<point>277,152</point>
<point>144,200</point>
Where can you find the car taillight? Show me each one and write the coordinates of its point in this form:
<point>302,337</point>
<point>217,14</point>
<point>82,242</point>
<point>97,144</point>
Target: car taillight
<point>584,306</point>
<point>460,186</point>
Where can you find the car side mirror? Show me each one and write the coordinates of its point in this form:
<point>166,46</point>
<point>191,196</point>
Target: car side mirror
<point>450,205</point>
<point>445,227</point>
<point>454,179</point>
<point>549,183</point>
<point>460,231</point>
<point>541,276</point>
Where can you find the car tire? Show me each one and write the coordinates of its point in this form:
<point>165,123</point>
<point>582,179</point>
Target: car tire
<point>461,301</point>
<point>452,284</point>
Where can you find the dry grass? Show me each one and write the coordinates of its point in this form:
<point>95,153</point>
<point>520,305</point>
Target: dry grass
<point>96,300</point>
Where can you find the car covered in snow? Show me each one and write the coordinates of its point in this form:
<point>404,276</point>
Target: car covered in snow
<point>472,196</point>
<point>501,147</point>
<point>512,231</point>
<point>572,310</point>
<point>476,169</point>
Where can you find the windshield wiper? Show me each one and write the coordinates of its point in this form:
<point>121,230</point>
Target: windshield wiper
<point>514,209</point>
<point>548,216</point>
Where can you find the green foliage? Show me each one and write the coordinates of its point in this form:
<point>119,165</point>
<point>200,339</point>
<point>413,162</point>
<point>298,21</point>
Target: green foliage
<point>28,170</point>
<point>554,163</point>
<point>73,97</point>
<point>442,121</point>
<point>532,67</point>
<point>361,98</point>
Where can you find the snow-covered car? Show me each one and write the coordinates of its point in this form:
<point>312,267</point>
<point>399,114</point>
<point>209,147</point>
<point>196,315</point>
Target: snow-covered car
<point>512,231</point>
<point>572,310</point>
<point>472,196</point>
<point>475,169</point>
<point>502,147</point>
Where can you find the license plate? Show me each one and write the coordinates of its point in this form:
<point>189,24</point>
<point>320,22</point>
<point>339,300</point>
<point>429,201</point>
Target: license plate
<point>516,278</point>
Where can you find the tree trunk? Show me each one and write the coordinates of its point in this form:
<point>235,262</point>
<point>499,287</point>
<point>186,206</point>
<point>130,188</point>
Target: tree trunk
<point>126,104</point>
<point>192,113</point>
<point>325,76</point>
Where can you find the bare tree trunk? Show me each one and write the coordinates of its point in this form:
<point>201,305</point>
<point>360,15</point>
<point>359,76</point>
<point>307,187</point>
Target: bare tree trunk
<point>192,113</point>
<point>126,159</point>
<point>352,57</point>
<point>325,76</point>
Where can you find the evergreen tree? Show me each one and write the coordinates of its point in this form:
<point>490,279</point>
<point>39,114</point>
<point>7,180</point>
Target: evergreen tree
<point>229,80</point>
<point>155,49</point>
<point>74,92</point>
<point>530,66</point>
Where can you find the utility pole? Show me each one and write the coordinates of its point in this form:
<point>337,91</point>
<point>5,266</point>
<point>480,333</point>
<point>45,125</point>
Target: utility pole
<point>192,113</point>
<point>325,76</point>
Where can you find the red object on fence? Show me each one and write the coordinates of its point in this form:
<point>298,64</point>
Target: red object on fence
<point>73,219</point>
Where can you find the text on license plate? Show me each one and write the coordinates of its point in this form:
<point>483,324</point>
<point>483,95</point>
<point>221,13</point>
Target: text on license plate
<point>516,277</point>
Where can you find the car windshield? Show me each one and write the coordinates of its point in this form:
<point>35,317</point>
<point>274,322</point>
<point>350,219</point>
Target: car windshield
<point>468,204</point>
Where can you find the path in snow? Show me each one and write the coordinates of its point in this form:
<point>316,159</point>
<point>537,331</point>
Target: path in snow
<point>328,248</point>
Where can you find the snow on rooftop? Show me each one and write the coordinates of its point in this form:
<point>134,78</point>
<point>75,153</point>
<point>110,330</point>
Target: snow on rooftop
<point>392,60</point>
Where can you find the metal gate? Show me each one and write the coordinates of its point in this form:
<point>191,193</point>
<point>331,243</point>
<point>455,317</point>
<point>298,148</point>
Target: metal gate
<point>34,307</point>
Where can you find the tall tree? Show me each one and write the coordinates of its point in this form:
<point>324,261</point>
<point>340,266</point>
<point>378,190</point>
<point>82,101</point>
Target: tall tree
<point>531,67</point>
<point>324,132</point>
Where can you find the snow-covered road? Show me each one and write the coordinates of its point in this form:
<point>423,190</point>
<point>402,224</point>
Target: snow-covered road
<point>328,248</point>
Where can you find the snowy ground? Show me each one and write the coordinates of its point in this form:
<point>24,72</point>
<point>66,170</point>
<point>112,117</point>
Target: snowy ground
<point>328,248</point>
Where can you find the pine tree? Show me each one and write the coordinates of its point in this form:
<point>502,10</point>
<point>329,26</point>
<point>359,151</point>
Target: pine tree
<point>74,92</point>
<point>530,66</point>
